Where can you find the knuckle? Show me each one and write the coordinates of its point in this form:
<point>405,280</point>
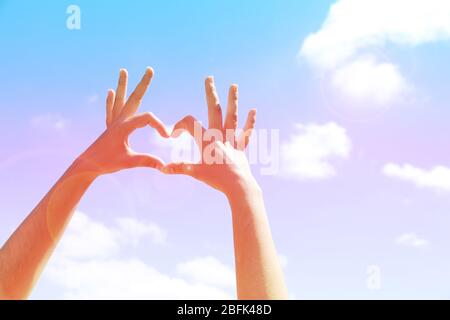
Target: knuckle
<point>147,116</point>
<point>189,118</point>
<point>234,118</point>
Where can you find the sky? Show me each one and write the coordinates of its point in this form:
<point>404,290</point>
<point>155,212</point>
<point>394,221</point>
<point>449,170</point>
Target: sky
<point>356,90</point>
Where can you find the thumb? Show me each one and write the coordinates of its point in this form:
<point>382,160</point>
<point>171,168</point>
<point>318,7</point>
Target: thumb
<point>179,168</point>
<point>145,160</point>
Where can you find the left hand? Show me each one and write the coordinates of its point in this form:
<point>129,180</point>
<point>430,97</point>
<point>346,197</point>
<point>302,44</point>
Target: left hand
<point>111,152</point>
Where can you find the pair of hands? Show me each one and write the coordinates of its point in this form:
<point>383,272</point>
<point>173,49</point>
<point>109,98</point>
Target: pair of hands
<point>223,166</point>
<point>228,171</point>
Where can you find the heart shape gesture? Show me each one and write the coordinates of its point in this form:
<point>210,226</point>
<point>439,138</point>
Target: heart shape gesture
<point>223,163</point>
<point>111,152</point>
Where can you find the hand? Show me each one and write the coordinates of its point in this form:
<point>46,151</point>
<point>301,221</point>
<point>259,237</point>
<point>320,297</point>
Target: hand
<point>111,151</point>
<point>223,163</point>
<point>223,166</point>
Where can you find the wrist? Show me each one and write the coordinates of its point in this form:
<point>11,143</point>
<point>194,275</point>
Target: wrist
<point>247,202</point>
<point>83,170</point>
<point>245,189</point>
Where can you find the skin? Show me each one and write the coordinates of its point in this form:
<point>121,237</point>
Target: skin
<point>26,252</point>
<point>224,167</point>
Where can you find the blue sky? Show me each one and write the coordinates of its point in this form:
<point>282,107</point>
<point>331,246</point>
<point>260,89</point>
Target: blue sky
<point>328,226</point>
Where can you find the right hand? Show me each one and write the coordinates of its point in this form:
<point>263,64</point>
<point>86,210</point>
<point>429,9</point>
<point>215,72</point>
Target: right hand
<point>223,165</point>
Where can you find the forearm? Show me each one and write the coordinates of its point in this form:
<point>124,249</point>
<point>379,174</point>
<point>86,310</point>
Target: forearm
<point>26,252</point>
<point>258,271</point>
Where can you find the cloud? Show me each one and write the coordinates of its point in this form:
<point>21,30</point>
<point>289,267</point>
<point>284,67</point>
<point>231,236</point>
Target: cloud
<point>355,28</point>
<point>86,239</point>
<point>437,178</point>
<point>49,121</point>
<point>208,270</point>
<point>135,230</point>
<point>178,149</point>
<point>308,153</point>
<point>411,240</point>
<point>366,77</point>
<point>124,279</point>
<point>91,263</point>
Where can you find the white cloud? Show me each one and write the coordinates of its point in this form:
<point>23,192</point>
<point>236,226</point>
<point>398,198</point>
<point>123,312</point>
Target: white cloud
<point>124,279</point>
<point>354,25</point>
<point>49,121</point>
<point>366,77</point>
<point>133,230</point>
<point>208,270</point>
<point>86,239</point>
<point>354,28</point>
<point>437,178</point>
<point>90,263</point>
<point>411,240</point>
<point>308,153</point>
<point>182,148</point>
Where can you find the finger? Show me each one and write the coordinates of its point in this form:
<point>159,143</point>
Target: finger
<point>191,125</point>
<point>180,168</point>
<point>244,138</point>
<point>144,119</point>
<point>215,153</point>
<point>214,109</point>
<point>135,99</point>
<point>121,93</point>
<point>232,108</point>
<point>109,107</point>
<point>145,160</point>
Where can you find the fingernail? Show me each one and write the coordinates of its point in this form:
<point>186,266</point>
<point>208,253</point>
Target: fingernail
<point>149,70</point>
<point>234,90</point>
